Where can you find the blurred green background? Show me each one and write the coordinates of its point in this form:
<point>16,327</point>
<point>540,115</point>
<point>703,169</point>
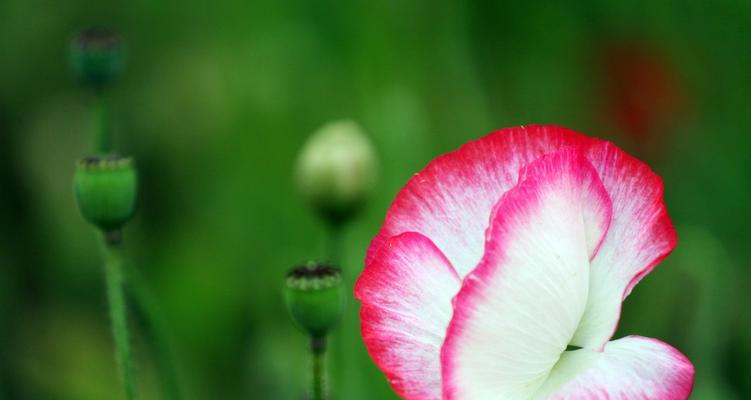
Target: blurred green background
<point>217,100</point>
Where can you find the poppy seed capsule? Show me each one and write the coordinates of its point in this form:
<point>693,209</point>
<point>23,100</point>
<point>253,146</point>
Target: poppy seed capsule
<point>96,56</point>
<point>337,169</point>
<point>314,294</point>
<point>105,190</point>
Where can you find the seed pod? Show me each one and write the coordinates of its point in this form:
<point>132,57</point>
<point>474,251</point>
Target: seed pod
<point>105,189</point>
<point>336,170</point>
<point>96,57</point>
<point>315,298</point>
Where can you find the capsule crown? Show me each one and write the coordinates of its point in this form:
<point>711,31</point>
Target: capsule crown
<point>96,57</point>
<point>105,190</point>
<point>314,294</point>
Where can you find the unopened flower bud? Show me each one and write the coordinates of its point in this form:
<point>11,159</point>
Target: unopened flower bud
<point>337,170</point>
<point>105,189</point>
<point>315,298</point>
<point>96,56</point>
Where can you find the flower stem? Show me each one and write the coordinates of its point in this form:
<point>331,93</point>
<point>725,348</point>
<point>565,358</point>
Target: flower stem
<point>148,311</point>
<point>335,237</point>
<point>318,389</point>
<point>114,277</point>
<point>102,132</point>
<point>338,362</point>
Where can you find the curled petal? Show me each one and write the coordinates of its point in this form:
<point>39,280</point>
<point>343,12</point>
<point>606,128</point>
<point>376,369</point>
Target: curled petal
<point>630,368</point>
<point>517,311</point>
<point>640,236</point>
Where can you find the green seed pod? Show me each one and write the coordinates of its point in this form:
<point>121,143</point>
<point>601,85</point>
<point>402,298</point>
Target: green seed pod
<point>105,189</point>
<point>96,57</point>
<point>337,170</point>
<point>315,298</point>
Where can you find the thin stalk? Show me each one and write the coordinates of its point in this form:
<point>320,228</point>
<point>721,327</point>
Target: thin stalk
<point>346,379</point>
<point>339,362</point>
<point>335,237</point>
<point>114,277</point>
<point>318,389</point>
<point>149,313</point>
<point>102,132</point>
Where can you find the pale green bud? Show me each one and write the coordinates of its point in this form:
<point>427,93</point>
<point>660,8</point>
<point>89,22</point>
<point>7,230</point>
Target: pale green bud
<point>337,170</point>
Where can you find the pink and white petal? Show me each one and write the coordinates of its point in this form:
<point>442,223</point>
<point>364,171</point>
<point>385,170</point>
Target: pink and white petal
<point>640,236</point>
<point>517,311</point>
<point>630,368</point>
<point>406,293</point>
<point>451,199</point>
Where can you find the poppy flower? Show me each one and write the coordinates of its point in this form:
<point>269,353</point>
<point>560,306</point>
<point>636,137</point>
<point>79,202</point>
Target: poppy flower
<point>500,270</point>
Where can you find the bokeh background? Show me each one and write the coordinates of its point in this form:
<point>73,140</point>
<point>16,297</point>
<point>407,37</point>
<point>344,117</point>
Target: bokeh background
<point>218,98</point>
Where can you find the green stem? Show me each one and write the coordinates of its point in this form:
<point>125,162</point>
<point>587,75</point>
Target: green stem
<point>114,278</point>
<point>335,237</point>
<point>339,356</point>
<point>346,379</point>
<point>146,307</point>
<point>102,131</point>
<point>318,390</point>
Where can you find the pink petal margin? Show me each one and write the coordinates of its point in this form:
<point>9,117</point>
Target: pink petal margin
<point>641,235</point>
<point>451,199</point>
<point>406,294</point>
